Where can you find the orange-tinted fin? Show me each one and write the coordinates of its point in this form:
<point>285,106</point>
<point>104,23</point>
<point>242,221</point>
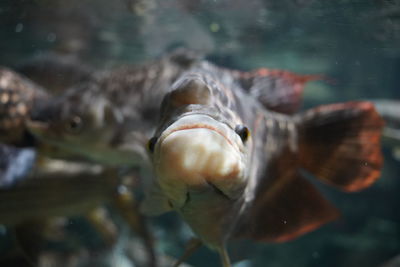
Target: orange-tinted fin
<point>277,90</point>
<point>340,144</point>
<point>286,209</point>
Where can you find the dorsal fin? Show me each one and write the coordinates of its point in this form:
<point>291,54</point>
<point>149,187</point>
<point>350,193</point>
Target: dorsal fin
<point>340,144</point>
<point>286,205</point>
<point>277,90</point>
<point>56,72</point>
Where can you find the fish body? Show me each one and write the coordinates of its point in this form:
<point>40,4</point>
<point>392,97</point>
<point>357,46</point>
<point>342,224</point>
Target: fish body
<point>18,96</point>
<point>41,197</point>
<point>231,167</point>
<point>108,117</point>
<point>212,194</point>
<point>227,148</point>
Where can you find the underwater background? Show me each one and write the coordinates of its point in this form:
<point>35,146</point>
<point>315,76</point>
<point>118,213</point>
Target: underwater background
<point>355,43</point>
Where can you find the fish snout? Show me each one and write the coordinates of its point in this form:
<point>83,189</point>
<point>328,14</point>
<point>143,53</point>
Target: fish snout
<point>193,160</point>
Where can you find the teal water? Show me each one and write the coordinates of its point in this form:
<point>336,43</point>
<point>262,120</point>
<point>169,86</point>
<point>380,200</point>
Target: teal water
<point>353,42</point>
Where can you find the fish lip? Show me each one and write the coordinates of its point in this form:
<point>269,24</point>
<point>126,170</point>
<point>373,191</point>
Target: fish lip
<point>201,126</point>
<point>211,124</point>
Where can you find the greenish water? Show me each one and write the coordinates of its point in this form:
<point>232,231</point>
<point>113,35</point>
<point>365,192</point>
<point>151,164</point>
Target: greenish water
<point>354,43</point>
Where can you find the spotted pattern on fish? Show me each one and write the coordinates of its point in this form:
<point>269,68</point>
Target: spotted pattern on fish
<point>18,96</point>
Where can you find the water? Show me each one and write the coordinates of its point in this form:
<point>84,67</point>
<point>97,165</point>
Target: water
<point>355,43</point>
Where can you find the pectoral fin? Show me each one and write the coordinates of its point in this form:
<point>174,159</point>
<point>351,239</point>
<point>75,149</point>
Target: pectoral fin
<point>155,203</point>
<point>286,209</point>
<point>191,247</point>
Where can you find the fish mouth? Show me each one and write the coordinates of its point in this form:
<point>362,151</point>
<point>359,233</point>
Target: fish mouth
<point>200,121</point>
<point>34,125</point>
<point>196,154</point>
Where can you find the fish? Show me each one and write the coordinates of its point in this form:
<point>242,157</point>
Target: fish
<point>152,117</point>
<point>109,117</point>
<point>54,71</point>
<point>233,168</point>
<point>48,192</point>
<point>30,205</point>
<point>35,185</point>
<point>18,96</point>
<point>53,104</point>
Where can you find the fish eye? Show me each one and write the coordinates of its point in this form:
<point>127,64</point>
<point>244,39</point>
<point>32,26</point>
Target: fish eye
<point>151,144</point>
<point>74,125</point>
<point>243,132</point>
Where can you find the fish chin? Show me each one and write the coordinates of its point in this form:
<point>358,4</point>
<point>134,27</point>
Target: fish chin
<point>197,159</point>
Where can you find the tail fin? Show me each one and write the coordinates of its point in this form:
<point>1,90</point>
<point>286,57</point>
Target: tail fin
<point>340,144</point>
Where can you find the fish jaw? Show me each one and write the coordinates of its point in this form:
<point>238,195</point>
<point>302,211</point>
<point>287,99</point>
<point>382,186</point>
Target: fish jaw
<point>197,157</point>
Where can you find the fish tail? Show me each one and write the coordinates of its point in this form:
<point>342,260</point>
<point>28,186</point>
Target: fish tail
<point>340,144</point>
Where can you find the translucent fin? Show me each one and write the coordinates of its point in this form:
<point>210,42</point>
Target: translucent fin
<point>286,208</point>
<point>226,262</point>
<point>277,90</point>
<point>191,247</point>
<point>155,203</point>
<point>125,202</point>
<point>46,69</point>
<point>340,144</point>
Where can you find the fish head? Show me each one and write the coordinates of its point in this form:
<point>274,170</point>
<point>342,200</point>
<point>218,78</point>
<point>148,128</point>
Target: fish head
<point>201,145</point>
<point>84,122</point>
